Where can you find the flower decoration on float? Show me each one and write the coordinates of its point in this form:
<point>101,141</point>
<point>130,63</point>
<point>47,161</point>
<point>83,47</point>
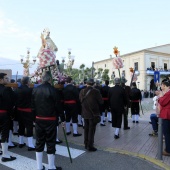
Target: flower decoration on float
<point>117,61</point>
<point>133,75</point>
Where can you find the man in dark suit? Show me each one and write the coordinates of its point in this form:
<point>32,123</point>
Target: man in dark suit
<point>125,114</point>
<point>46,108</point>
<point>118,102</point>
<point>71,97</point>
<point>135,97</point>
<point>6,105</point>
<point>25,115</point>
<point>91,100</point>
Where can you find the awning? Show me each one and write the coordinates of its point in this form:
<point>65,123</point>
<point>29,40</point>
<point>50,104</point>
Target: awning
<point>150,72</point>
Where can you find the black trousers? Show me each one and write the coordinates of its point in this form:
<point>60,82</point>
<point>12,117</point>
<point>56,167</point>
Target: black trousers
<point>89,132</point>
<point>125,116</point>
<point>71,113</point>
<point>45,133</point>
<point>166,132</point>
<point>11,124</point>
<point>4,127</point>
<point>135,108</point>
<point>116,118</point>
<point>25,120</point>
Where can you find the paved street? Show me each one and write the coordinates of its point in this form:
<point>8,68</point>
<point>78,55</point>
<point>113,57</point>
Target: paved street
<point>93,161</point>
<point>135,150</point>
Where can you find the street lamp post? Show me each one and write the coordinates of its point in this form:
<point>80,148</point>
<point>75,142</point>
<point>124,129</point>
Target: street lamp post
<point>69,64</point>
<point>27,63</point>
<point>92,71</point>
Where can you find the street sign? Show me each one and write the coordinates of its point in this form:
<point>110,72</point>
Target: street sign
<point>156,76</point>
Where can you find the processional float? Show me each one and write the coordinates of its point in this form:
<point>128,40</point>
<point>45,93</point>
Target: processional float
<point>47,62</point>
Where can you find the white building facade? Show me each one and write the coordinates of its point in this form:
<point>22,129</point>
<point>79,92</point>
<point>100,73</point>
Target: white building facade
<point>144,61</point>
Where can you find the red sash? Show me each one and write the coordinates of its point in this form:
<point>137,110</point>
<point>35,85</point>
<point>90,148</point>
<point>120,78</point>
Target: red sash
<point>25,109</point>
<point>45,118</point>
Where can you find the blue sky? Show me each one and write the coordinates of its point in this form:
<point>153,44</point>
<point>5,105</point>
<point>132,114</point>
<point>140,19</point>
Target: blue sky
<point>91,28</point>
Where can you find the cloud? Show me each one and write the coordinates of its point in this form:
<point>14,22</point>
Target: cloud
<point>9,28</point>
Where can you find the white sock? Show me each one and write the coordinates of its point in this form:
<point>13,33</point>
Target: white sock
<point>5,152</point>
<point>21,139</point>
<point>116,131</point>
<point>103,114</point>
<point>109,116</point>
<point>75,128</point>
<point>15,126</point>
<point>51,158</point>
<point>102,118</point>
<point>67,126</point>
<point>10,139</point>
<point>137,117</point>
<point>30,142</point>
<point>79,120</point>
<point>39,156</point>
<point>133,117</point>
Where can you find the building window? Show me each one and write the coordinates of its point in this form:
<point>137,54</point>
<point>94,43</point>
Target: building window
<point>136,66</point>
<point>152,65</point>
<point>165,66</point>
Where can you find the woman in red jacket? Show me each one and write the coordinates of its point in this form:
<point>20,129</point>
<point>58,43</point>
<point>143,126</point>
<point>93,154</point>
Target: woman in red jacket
<point>164,102</point>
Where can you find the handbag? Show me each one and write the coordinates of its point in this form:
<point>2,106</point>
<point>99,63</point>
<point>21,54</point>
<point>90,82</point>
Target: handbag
<point>96,118</point>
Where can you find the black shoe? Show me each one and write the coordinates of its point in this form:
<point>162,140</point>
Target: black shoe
<point>80,125</point>
<point>93,149</point>
<point>31,149</point>
<point>104,120</point>
<point>8,159</point>
<point>116,136</point>
<point>76,135</point>
<point>110,121</point>
<point>58,142</point>
<point>155,134</point>
<point>150,122</point>
<point>126,128</point>
<point>22,145</point>
<point>102,124</point>
<point>133,121</point>
<point>68,133</point>
<point>15,134</point>
<point>0,152</point>
<point>10,147</point>
<point>137,121</point>
<point>57,168</point>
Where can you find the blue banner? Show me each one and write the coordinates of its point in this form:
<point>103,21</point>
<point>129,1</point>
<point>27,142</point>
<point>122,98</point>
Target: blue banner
<point>156,76</point>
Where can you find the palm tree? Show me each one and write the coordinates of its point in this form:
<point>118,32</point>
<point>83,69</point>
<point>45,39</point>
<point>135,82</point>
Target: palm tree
<point>82,66</point>
<point>105,75</point>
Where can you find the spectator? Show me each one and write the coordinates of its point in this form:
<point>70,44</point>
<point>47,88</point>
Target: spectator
<point>154,116</point>
<point>164,102</point>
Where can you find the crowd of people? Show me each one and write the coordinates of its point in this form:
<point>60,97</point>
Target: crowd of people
<point>84,105</point>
